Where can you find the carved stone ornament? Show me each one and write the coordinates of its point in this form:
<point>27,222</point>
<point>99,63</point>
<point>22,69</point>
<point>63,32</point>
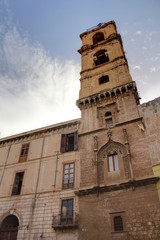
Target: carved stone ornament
<point>112,147</point>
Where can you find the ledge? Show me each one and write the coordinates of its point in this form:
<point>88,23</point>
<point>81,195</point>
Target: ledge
<point>115,187</point>
<point>65,227</point>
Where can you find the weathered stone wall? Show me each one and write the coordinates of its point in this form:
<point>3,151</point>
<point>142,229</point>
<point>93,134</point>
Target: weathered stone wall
<point>151,115</point>
<point>141,214</point>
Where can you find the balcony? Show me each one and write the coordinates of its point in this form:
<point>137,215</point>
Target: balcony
<point>61,222</point>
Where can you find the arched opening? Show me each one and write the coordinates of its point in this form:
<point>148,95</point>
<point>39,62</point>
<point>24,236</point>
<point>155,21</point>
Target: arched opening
<point>100,57</point>
<point>98,37</point>
<point>9,228</point>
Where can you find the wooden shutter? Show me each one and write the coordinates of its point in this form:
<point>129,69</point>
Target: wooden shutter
<point>63,143</point>
<point>76,140</point>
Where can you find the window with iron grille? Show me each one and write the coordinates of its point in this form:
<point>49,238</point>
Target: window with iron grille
<point>17,183</point>
<point>66,212</point>
<point>68,175</point>
<point>24,152</point>
<point>118,223</point>
<point>69,142</point>
<point>113,162</point>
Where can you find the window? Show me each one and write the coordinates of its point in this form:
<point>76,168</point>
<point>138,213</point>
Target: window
<point>103,79</point>
<point>17,183</point>
<point>98,37</point>
<point>118,223</point>
<point>67,212</point>
<point>113,163</point>
<point>69,142</point>
<point>108,119</point>
<point>100,57</point>
<point>68,176</point>
<point>24,152</point>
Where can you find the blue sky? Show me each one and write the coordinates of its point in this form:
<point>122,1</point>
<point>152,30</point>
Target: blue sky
<point>39,63</point>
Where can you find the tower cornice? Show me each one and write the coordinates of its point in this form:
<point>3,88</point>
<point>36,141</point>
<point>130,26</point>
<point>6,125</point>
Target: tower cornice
<point>109,95</point>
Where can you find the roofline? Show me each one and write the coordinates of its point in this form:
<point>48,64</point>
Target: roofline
<point>99,26</point>
<point>40,130</point>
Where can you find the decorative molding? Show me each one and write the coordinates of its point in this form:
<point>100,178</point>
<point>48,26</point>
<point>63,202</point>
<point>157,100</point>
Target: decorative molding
<point>39,133</point>
<point>107,95</point>
<point>116,187</point>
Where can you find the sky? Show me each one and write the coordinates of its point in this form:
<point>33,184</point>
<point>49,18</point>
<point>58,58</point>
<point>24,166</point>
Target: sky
<point>40,65</point>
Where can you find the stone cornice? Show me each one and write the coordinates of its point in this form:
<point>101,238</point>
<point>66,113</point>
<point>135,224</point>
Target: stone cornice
<point>40,132</point>
<point>114,63</point>
<point>139,119</point>
<point>88,47</point>
<point>109,94</point>
<point>116,187</point>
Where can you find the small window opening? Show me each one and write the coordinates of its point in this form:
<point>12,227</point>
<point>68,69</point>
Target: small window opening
<point>98,37</point>
<point>103,79</point>
<point>118,223</point>
<point>108,119</point>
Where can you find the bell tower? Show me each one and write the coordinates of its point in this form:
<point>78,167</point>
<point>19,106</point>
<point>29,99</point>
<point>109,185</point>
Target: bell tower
<point>106,87</point>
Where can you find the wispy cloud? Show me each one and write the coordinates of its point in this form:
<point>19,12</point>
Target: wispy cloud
<point>136,67</point>
<point>139,33</point>
<point>35,89</point>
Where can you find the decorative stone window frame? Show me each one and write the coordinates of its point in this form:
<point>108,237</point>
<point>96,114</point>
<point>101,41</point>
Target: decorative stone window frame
<point>103,174</point>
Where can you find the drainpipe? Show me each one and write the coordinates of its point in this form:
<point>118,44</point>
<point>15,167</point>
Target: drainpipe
<point>55,177</point>
<point>35,194</point>
<point>96,160</point>
<point>4,167</point>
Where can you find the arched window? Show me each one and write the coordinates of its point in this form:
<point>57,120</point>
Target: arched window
<point>108,119</point>
<point>98,37</point>
<point>100,57</point>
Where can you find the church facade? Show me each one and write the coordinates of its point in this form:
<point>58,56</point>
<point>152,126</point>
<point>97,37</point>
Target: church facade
<point>96,177</point>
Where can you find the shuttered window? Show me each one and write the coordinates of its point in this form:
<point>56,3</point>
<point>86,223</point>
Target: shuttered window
<point>24,152</point>
<point>69,142</point>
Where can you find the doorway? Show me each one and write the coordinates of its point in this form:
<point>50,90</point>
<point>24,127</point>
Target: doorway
<point>9,228</point>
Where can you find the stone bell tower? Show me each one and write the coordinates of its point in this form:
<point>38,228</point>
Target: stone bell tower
<point>116,176</point>
<point>106,84</point>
